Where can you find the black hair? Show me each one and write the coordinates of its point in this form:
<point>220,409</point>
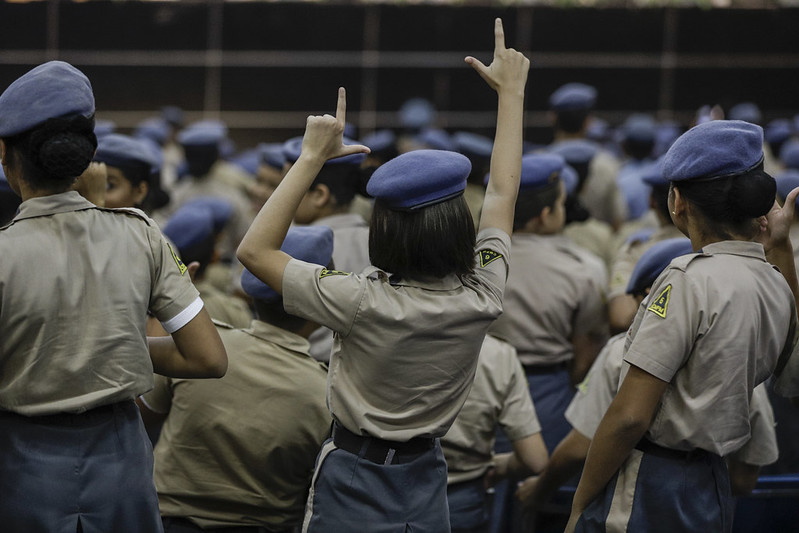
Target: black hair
<point>344,181</point>
<point>272,312</point>
<point>137,172</point>
<point>200,159</point>
<point>530,204</point>
<point>432,241</point>
<point>53,154</point>
<point>732,202</point>
<point>202,252</point>
<point>638,149</point>
<point>571,120</point>
<point>660,197</point>
<point>575,212</point>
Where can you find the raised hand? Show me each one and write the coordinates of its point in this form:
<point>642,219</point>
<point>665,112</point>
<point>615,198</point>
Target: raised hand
<point>324,134</point>
<point>776,225</point>
<point>508,69</point>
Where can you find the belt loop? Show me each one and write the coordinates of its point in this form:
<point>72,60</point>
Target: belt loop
<point>389,456</point>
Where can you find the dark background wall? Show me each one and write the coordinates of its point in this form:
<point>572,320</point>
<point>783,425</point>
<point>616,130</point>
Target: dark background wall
<point>262,67</point>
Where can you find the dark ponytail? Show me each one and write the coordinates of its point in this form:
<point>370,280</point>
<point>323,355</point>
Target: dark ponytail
<point>55,153</point>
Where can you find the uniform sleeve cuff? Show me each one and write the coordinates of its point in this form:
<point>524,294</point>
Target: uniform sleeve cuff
<point>184,317</point>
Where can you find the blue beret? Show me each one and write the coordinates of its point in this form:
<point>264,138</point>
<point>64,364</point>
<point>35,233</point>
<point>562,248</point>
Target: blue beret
<point>312,244</point>
<point>473,145</point>
<point>598,129</point>
<point>54,89</point>
<point>540,170</point>
<point>416,113</point>
<point>248,161</point>
<point>789,154</point>
<point>173,115</point>
<point>293,147</point>
<point>639,128</point>
<point>714,149</point>
<point>190,225</point>
<point>572,97</point>
<point>778,130</point>
<point>746,111</point>
<point>435,139</point>
<point>154,128</point>
<point>654,261</point>
<point>220,210</point>
<point>786,182</point>
<point>206,133</point>
<point>570,179</point>
<point>652,174</point>
<point>120,150</point>
<point>272,155</point>
<point>380,140</point>
<point>156,154</point>
<point>420,178</point>
<point>103,128</point>
<point>575,151</point>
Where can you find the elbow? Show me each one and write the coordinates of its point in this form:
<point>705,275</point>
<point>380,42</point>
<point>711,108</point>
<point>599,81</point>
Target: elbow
<point>219,367</point>
<point>245,254</point>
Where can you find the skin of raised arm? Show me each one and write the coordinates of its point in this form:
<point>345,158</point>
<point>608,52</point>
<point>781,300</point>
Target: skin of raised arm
<point>565,462</point>
<point>775,237</point>
<point>507,75</point>
<point>529,456</point>
<point>259,250</point>
<point>193,351</point>
<point>623,425</point>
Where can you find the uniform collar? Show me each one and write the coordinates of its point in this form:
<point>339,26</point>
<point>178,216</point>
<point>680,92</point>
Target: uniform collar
<point>446,283</point>
<point>744,248</point>
<point>281,337</point>
<point>53,204</point>
<point>345,220</point>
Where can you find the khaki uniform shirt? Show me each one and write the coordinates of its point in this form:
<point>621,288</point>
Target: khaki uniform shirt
<point>600,194</point>
<point>599,387</point>
<point>555,291</point>
<point>630,253</point>
<point>713,327</point>
<point>224,307</point>
<point>350,254</point>
<point>240,450</point>
<point>595,236</point>
<point>405,351</point>
<point>76,282</point>
<point>499,396</point>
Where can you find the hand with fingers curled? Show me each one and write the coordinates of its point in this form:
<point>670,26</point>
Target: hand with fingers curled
<point>323,137</point>
<point>776,224</point>
<point>507,72</point>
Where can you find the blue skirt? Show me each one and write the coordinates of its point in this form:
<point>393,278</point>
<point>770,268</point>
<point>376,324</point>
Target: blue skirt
<point>94,469</point>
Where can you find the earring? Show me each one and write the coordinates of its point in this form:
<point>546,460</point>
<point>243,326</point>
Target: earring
<point>674,213</point>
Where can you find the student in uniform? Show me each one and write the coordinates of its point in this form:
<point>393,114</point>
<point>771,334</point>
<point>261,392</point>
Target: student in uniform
<point>237,454</point>
<point>407,343</point>
<point>597,391</point>
<point>77,282</point>
<point>499,398</point>
<point>715,325</point>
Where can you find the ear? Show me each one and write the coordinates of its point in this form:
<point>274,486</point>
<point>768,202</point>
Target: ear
<point>680,205</point>
<point>140,192</point>
<point>320,195</point>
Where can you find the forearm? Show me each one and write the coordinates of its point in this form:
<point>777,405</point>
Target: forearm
<point>193,351</point>
<point>565,462</point>
<point>586,348</point>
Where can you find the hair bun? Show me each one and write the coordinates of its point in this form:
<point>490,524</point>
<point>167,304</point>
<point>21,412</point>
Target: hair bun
<point>65,155</point>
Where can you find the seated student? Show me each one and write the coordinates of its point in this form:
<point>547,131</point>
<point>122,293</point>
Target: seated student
<point>195,229</point>
<point>240,452</point>
<point>555,314</point>
<point>499,398</point>
<point>407,342</point>
<point>132,167</point>
<point>622,306</point>
<point>599,388</point>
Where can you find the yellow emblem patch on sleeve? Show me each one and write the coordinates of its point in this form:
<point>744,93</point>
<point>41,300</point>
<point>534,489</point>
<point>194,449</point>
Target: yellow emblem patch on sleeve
<point>488,256</point>
<point>661,303</point>
<point>178,262</point>
<point>583,386</point>
<point>325,273</point>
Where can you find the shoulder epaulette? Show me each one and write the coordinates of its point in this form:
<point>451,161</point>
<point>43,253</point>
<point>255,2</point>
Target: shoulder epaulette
<point>130,211</point>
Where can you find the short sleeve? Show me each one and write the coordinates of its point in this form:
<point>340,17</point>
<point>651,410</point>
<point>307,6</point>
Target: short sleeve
<point>596,392</point>
<point>159,400</point>
<point>327,297</point>
<point>517,416</point>
<point>492,256</point>
<point>667,324</point>
<point>173,298</point>
<point>761,448</point>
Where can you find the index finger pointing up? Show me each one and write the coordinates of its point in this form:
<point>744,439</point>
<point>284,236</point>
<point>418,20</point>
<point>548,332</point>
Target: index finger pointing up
<point>499,35</point>
<point>341,107</point>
